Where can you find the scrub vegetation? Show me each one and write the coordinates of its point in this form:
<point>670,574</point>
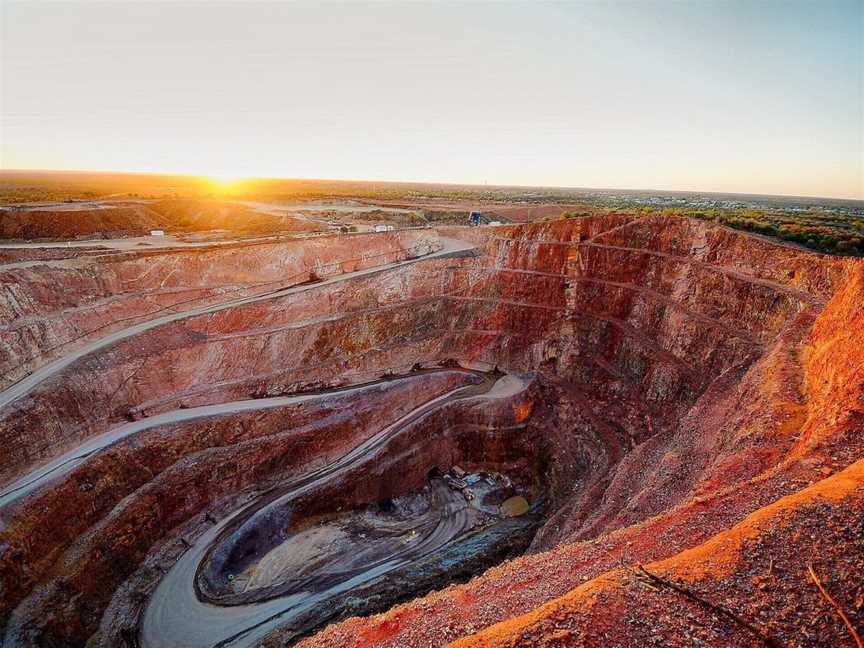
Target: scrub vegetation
<point>815,228</point>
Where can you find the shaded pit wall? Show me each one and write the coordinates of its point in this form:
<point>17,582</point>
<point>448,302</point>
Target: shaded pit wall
<point>51,308</point>
<point>643,332</point>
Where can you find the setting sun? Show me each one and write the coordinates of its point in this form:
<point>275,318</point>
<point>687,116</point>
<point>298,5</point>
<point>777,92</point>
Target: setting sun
<point>224,182</point>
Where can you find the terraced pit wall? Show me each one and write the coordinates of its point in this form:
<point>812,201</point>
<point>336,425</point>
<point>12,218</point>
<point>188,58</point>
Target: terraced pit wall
<point>675,361</point>
<point>53,306</point>
<point>159,364</point>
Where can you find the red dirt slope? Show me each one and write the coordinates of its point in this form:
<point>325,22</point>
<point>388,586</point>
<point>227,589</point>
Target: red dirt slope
<point>109,220</point>
<point>727,501</point>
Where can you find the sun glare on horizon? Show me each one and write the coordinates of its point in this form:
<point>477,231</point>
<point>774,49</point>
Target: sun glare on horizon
<point>224,181</point>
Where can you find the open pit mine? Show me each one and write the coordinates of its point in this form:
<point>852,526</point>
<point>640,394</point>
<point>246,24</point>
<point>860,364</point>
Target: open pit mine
<point>606,431</point>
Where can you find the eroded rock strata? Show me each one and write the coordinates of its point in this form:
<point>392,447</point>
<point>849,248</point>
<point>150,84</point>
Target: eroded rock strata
<point>662,392</point>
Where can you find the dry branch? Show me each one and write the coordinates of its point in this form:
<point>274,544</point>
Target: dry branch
<point>837,607</point>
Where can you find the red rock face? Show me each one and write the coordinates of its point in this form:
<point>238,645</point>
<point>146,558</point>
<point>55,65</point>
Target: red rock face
<point>690,383</point>
<point>686,378</point>
<point>50,309</point>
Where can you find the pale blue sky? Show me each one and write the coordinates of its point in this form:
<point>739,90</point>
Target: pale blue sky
<point>762,97</point>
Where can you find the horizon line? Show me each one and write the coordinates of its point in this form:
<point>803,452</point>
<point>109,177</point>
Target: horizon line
<point>238,179</point>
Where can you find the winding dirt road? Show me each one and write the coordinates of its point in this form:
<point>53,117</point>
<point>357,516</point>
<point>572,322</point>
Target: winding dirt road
<point>176,617</point>
<point>66,462</point>
<point>25,385</point>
